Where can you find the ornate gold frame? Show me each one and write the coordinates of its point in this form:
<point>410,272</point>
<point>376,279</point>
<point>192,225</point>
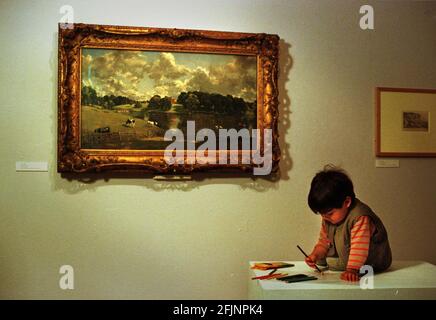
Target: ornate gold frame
<point>71,158</point>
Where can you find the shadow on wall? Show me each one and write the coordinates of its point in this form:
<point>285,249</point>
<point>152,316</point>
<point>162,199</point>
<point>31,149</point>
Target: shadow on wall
<point>285,66</point>
<point>73,183</point>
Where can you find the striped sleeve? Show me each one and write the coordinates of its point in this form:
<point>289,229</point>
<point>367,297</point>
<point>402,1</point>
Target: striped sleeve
<point>359,246</point>
<point>323,243</point>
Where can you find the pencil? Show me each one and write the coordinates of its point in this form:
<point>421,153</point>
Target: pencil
<point>307,257</point>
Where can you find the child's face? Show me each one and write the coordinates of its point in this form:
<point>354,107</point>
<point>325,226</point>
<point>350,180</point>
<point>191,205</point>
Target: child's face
<point>336,215</point>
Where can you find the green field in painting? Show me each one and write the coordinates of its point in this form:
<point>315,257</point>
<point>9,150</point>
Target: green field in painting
<point>142,136</point>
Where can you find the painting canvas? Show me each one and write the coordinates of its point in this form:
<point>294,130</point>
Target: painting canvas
<point>129,98</point>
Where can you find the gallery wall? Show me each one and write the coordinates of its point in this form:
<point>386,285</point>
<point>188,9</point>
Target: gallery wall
<point>145,239</point>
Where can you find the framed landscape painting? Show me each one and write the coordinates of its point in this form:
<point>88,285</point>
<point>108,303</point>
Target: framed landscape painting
<point>166,100</point>
<point>404,122</point>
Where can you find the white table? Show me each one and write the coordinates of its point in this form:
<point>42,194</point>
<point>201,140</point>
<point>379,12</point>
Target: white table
<point>403,280</point>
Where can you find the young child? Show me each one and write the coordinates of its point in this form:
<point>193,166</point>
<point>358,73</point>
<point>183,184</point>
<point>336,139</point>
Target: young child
<point>352,235</point>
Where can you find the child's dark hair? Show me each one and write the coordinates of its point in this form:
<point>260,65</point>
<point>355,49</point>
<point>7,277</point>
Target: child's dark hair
<point>329,189</point>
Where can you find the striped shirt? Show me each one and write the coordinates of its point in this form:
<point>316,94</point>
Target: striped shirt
<point>360,238</point>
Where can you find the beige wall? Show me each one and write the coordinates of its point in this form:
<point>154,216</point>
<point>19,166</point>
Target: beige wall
<point>136,238</point>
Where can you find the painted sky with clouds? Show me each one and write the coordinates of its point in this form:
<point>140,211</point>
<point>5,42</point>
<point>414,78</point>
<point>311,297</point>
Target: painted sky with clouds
<point>140,75</point>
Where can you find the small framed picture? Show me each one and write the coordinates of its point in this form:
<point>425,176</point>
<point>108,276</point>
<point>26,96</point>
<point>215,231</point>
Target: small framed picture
<point>404,119</point>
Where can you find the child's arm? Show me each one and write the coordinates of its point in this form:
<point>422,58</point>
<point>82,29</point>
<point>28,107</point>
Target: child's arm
<point>359,247</point>
<point>321,248</point>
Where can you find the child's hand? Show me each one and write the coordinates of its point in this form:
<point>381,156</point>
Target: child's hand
<point>350,275</point>
<point>317,254</point>
<point>311,260</point>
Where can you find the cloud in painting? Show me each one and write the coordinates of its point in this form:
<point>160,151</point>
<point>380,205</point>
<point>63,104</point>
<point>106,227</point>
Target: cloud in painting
<point>139,75</point>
